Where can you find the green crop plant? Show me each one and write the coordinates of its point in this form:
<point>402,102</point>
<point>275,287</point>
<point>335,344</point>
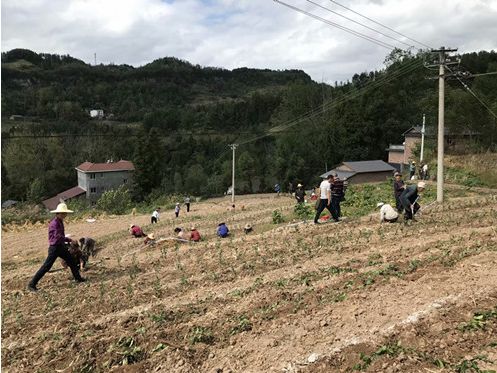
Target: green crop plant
<point>200,334</point>
<point>277,217</point>
<point>243,324</point>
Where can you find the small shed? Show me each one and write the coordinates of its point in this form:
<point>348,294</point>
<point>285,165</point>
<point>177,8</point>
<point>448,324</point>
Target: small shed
<point>362,171</point>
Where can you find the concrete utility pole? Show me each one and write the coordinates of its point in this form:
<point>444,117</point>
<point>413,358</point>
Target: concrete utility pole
<point>233,147</point>
<point>422,139</point>
<point>441,119</point>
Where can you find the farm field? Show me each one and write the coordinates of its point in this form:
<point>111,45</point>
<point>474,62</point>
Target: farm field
<point>289,297</point>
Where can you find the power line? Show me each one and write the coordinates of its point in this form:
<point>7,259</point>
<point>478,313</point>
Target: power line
<point>380,24</point>
<point>473,93</point>
<point>359,23</point>
<point>346,29</point>
<point>348,96</point>
<point>411,66</point>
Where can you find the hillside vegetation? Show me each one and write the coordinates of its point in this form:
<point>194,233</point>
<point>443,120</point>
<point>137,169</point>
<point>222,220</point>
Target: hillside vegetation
<point>174,120</point>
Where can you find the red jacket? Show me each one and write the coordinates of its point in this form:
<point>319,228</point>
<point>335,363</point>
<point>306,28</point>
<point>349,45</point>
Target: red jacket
<point>195,236</point>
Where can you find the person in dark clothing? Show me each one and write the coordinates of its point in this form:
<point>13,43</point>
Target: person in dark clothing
<point>57,248</point>
<point>300,194</point>
<point>325,199</point>
<point>398,188</point>
<point>409,198</point>
<point>337,195</point>
<point>187,203</point>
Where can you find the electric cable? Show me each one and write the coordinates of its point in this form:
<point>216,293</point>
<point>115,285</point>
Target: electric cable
<point>359,23</point>
<point>380,24</point>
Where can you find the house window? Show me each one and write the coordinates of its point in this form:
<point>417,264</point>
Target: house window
<point>125,181</point>
<point>101,174</point>
<point>92,176</point>
<point>102,189</point>
<point>93,190</point>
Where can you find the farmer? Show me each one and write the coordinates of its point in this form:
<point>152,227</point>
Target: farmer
<point>180,233</point>
<point>76,254</point>
<point>155,216</point>
<point>194,234</point>
<point>325,200</point>
<point>136,231</point>
<point>277,189</point>
<point>56,241</point>
<point>150,239</point>
<point>290,188</point>
<point>412,170</point>
<point>176,209</point>
<point>425,171</point>
<point>398,188</point>
<point>300,194</point>
<point>187,203</point>
<point>387,213</point>
<point>87,246</point>
<point>409,198</point>
<point>337,195</point>
<point>248,228</point>
<point>222,230</point>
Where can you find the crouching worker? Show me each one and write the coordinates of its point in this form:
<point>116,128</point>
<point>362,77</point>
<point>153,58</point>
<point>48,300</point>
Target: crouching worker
<point>57,248</point>
<point>136,231</point>
<point>387,213</point>
<point>194,234</point>
<point>248,228</point>
<point>150,239</point>
<point>222,230</point>
<point>409,198</point>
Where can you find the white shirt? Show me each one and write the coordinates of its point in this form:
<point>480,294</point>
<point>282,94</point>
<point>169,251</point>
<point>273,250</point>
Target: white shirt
<point>325,187</point>
<point>425,167</point>
<point>387,213</point>
<point>155,214</point>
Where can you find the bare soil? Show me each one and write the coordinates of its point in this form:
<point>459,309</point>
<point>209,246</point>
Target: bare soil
<point>293,297</point>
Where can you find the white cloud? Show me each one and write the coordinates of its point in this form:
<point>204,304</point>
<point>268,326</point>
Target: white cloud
<point>236,33</point>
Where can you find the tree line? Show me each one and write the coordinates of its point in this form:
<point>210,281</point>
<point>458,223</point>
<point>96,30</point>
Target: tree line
<point>174,120</point>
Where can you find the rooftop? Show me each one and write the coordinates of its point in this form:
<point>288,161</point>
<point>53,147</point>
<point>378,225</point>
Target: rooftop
<point>52,203</point>
<point>121,165</point>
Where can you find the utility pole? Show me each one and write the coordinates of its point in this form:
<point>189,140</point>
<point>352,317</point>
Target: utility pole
<point>95,56</point>
<point>422,139</point>
<point>233,147</point>
<point>442,62</point>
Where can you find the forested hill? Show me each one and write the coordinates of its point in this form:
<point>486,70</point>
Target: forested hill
<point>174,120</point>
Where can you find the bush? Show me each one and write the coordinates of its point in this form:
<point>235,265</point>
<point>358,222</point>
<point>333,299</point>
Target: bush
<point>116,201</point>
<point>277,217</point>
<point>303,211</point>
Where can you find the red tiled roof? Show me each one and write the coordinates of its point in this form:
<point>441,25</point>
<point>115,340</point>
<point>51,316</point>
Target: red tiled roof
<point>52,203</point>
<point>122,165</point>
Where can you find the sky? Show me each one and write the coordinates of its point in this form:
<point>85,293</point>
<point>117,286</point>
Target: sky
<point>245,33</point>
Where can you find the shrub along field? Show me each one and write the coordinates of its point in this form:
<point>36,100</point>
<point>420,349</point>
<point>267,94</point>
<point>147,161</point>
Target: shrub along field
<point>288,297</point>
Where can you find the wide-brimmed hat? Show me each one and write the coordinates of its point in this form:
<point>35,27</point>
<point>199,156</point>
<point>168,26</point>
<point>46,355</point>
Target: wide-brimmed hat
<point>62,208</point>
<point>151,236</point>
<point>299,185</point>
<point>397,174</point>
<point>379,204</point>
<point>177,203</point>
<point>422,184</point>
<point>247,226</point>
<point>192,228</point>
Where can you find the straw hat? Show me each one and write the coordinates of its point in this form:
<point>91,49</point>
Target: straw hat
<point>379,204</point>
<point>397,174</point>
<point>247,226</point>
<point>299,185</point>
<point>192,228</point>
<point>61,208</point>
<point>422,184</point>
<point>151,236</point>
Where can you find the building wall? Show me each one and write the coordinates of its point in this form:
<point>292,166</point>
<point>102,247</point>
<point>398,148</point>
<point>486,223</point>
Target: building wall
<point>370,177</point>
<point>99,182</point>
<point>409,146</point>
<point>395,157</point>
<point>82,182</point>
